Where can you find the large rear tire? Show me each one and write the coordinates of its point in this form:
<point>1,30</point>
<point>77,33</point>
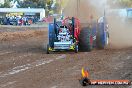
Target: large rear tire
<point>101,40</point>
<point>86,39</point>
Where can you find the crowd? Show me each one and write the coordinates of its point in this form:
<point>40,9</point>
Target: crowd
<point>18,20</point>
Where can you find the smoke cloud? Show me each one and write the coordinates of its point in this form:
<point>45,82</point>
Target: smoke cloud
<point>119,29</point>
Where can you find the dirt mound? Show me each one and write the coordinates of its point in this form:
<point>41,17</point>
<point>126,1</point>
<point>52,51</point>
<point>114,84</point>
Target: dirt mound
<point>10,28</point>
<point>10,36</point>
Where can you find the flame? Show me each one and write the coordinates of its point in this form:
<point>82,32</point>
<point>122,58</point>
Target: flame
<point>85,74</point>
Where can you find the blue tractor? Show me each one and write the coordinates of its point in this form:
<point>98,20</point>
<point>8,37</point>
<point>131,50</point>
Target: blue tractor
<point>64,35</point>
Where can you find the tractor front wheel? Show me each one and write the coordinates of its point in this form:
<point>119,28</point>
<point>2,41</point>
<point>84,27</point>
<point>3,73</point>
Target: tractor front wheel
<point>76,48</point>
<point>47,49</point>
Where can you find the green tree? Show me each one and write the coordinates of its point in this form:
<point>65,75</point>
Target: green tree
<point>32,3</point>
<point>6,4</point>
<point>57,8</point>
<point>46,4</point>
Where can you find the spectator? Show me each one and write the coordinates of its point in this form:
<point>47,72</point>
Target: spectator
<point>5,21</point>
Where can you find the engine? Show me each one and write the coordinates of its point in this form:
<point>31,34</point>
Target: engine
<point>64,34</point>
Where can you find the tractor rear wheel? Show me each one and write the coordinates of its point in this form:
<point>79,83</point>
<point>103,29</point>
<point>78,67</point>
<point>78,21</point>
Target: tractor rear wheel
<point>86,39</point>
<point>99,42</point>
<point>102,39</point>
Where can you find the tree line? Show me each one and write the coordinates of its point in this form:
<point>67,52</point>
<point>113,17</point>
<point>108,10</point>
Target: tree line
<point>120,3</point>
<point>46,4</point>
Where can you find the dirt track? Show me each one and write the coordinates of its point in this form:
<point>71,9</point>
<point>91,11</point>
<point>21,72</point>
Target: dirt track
<point>24,63</point>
